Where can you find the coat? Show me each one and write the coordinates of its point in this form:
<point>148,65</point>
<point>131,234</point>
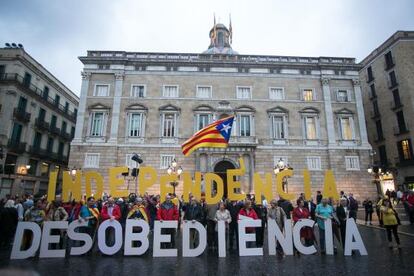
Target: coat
<point>252,214</point>
<point>167,211</point>
<point>388,216</point>
<point>116,212</point>
<point>303,213</point>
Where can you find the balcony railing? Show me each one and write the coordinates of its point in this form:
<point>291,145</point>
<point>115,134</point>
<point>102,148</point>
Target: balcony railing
<point>396,105</point>
<point>66,136</point>
<point>37,93</point>
<point>399,131</point>
<point>16,146</point>
<point>54,130</point>
<point>21,115</point>
<point>37,151</point>
<point>42,125</point>
<point>375,115</point>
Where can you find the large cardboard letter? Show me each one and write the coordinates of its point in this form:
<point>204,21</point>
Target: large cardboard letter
<point>89,175</point>
<point>130,237</point>
<point>47,239</point>
<point>165,187</point>
<point>17,253</point>
<point>71,187</point>
<point>103,247</point>
<point>352,234</point>
<point>114,181</point>
<point>209,178</point>
<point>307,184</point>
<point>159,238</point>
<point>51,190</point>
<point>221,230</point>
<point>306,250</point>
<point>76,236</point>
<point>329,186</point>
<point>279,184</point>
<point>144,181</point>
<point>202,234</point>
<point>261,188</point>
<point>275,234</point>
<point>248,237</point>
<point>328,237</point>
<point>232,184</point>
<point>191,187</point>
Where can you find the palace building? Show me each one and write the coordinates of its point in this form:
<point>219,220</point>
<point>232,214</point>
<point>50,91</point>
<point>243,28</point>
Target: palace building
<point>306,111</point>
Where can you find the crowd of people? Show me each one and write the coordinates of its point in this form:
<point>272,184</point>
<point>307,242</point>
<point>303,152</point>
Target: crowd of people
<point>151,208</point>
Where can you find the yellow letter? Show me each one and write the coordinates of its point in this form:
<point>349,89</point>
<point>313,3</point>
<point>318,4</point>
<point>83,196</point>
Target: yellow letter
<point>307,184</point>
<point>261,188</point>
<point>190,186</point>
<point>74,188</point>
<point>232,184</point>
<point>209,178</point>
<point>98,183</point>
<point>279,184</point>
<point>51,190</point>
<point>144,182</point>
<point>114,181</point>
<point>165,186</point>
<point>329,186</point>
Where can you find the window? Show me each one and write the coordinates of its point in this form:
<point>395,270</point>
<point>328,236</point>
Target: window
<point>204,92</point>
<point>342,96</point>
<point>138,91</point>
<point>352,163</point>
<point>66,107</point>
<point>276,93</point>
<point>6,186</point>
<point>57,100</point>
<point>135,124</point>
<point>170,91</point>
<point>380,133</point>
<point>314,163</point>
<point>37,141</point>
<point>166,160</point>
<point>44,169</point>
<point>97,124</point>
<point>91,160</point>
<point>63,127</point>
<point>396,96</point>
<point>169,125</point>
<point>375,107</point>
<point>61,148</point>
<point>22,104</point>
<point>401,121</point>
<point>27,79</point>
<point>373,93</point>
<point>45,93</point>
<point>203,120</point>
<point>392,79</point>
<point>2,71</point>
<point>245,125</point>
<point>383,155</point>
<point>310,127</point>
<point>369,73</point>
<point>33,167</point>
<point>244,92</point>
<point>16,133</point>
<point>101,90</point>
<point>72,132</point>
<point>389,62</point>
<point>42,114</point>
<point>53,121</point>
<point>278,127</point>
<point>308,95</point>
<point>10,164</point>
<point>50,143</point>
<point>346,128</point>
<point>405,150</point>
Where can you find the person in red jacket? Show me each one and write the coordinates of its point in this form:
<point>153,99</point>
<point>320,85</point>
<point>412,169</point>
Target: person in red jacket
<point>299,213</point>
<point>168,211</point>
<point>248,212</point>
<point>112,212</point>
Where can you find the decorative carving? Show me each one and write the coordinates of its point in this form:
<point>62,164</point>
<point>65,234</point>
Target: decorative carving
<point>85,75</point>
<point>119,76</point>
<point>325,81</point>
<point>356,82</point>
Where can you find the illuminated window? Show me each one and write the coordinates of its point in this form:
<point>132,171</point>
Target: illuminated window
<point>406,149</point>
<point>308,95</point>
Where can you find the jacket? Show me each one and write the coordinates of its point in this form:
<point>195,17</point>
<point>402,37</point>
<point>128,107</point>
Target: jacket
<point>277,214</point>
<point>252,214</point>
<point>194,212</point>
<point>116,212</point>
<point>167,211</point>
<point>388,216</point>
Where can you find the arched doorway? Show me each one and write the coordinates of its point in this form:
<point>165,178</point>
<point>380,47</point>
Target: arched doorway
<point>221,169</point>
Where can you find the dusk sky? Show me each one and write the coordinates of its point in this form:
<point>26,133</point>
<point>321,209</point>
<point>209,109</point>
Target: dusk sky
<point>55,33</point>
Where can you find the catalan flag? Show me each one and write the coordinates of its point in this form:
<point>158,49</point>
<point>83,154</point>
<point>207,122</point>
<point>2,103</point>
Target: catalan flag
<point>215,135</point>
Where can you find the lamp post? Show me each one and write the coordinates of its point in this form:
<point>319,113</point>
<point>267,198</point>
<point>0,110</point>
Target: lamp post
<point>281,166</point>
<point>174,169</point>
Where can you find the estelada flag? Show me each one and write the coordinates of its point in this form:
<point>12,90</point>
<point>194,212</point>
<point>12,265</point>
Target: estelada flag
<point>215,135</point>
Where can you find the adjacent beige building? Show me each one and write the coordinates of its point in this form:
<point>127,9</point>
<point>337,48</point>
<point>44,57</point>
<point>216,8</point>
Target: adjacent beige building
<point>388,92</point>
<point>307,111</point>
<point>37,123</point>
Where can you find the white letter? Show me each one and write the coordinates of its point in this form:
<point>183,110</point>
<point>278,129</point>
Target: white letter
<point>159,238</point>
<point>275,234</point>
<point>47,238</point>
<point>103,247</point>
<point>244,237</point>
<point>130,236</point>
<point>352,233</point>
<point>79,237</point>
<point>202,234</point>
<point>328,237</point>
<point>306,250</point>
<point>221,227</point>
<point>17,253</point>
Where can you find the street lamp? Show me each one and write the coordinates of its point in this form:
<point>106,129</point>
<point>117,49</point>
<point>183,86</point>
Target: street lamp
<point>281,166</point>
<point>174,169</point>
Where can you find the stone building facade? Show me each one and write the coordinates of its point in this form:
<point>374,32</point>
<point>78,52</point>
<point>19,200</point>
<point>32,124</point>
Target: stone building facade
<point>37,123</point>
<point>388,93</point>
<point>306,111</point>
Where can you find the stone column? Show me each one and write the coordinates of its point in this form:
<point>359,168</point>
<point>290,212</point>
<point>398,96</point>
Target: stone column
<point>360,113</point>
<point>80,119</point>
<point>330,128</point>
<point>116,107</point>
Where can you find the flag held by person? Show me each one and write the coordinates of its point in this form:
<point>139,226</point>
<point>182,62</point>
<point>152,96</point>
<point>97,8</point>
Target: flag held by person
<point>215,135</point>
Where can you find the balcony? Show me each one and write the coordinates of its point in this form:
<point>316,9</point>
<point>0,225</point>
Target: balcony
<point>65,136</point>
<point>16,146</point>
<point>21,115</point>
<point>36,151</point>
<point>54,130</point>
<point>37,93</point>
<point>42,125</point>
<point>404,162</point>
<point>375,115</point>
<point>400,130</point>
<point>395,106</point>
<point>372,95</point>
